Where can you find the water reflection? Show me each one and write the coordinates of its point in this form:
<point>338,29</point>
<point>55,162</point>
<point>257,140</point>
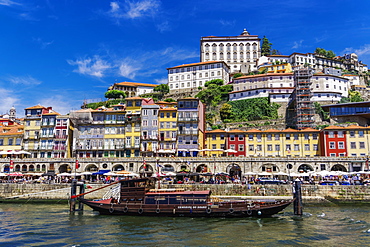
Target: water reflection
<point>46,225</point>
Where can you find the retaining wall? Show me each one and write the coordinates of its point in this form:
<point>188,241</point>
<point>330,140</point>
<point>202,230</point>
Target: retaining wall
<point>62,191</point>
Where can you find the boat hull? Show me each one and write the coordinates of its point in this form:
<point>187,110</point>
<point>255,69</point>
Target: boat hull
<point>227,210</point>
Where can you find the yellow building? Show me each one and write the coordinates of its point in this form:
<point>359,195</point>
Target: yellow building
<point>254,142</point>
<point>276,68</point>
<point>167,129</point>
<point>215,142</point>
<point>272,143</point>
<point>133,126</point>
<point>357,139</point>
<point>114,131</point>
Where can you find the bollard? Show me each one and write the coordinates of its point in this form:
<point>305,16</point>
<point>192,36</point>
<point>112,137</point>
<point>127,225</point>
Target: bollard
<point>297,194</point>
<point>72,200</point>
<point>82,190</point>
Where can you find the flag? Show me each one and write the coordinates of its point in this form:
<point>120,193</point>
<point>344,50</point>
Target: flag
<point>367,163</point>
<point>77,164</point>
<point>158,165</point>
<point>11,165</point>
<point>144,164</point>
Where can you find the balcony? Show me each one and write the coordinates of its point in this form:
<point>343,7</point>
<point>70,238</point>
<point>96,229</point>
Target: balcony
<point>187,119</point>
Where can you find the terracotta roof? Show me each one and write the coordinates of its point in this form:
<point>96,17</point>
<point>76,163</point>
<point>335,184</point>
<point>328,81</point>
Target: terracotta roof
<point>135,84</point>
<point>290,130</point>
<point>51,113</point>
<point>355,127</point>
<point>133,98</point>
<point>236,131</point>
<point>308,129</point>
<point>36,107</point>
<point>196,64</point>
<point>13,130</point>
<point>168,109</point>
<point>215,131</point>
<point>272,130</point>
<point>254,130</point>
<point>334,128</point>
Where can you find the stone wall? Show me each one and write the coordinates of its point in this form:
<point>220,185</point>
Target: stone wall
<point>62,191</point>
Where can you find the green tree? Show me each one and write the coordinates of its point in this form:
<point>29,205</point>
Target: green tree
<point>325,53</point>
<point>162,88</point>
<point>170,100</point>
<point>237,75</point>
<point>355,96</point>
<point>115,94</point>
<point>225,111</point>
<point>218,82</point>
<point>210,96</point>
<point>265,47</point>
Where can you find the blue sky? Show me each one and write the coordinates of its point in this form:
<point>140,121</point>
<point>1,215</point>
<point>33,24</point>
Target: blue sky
<point>59,52</point>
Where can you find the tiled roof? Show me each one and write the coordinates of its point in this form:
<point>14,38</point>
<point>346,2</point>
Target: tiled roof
<point>195,64</point>
<point>135,84</point>
<point>36,107</point>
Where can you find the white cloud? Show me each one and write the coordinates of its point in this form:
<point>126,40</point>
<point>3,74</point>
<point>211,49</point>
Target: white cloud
<point>164,26</point>
<point>25,80</point>
<point>133,9</point>
<point>127,70</point>
<point>91,66</point>
<point>42,43</point>
<point>7,100</point>
<point>297,44</point>
<point>58,102</point>
<point>8,2</point>
<point>161,80</point>
<point>227,23</point>
<point>364,50</point>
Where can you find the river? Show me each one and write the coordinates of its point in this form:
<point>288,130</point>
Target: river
<point>53,225</point>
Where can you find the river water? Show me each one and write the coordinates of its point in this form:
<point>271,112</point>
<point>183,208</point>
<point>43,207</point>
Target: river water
<point>53,225</point>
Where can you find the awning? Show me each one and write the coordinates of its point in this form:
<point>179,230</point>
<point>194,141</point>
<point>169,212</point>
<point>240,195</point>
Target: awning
<point>101,172</point>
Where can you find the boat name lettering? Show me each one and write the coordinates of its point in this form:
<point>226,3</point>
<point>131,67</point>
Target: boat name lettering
<point>182,207</point>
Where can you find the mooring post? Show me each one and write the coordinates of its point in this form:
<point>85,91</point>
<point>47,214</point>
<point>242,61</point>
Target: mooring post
<point>72,200</point>
<point>297,194</point>
<point>82,190</point>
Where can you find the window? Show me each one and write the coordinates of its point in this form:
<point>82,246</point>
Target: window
<point>277,147</point>
<point>331,134</point>
<point>250,137</point>
<point>232,138</point>
<point>10,141</point>
<point>277,137</point>
<point>251,148</point>
<point>332,145</point>
<point>315,147</point>
<point>241,147</point>
<point>341,145</point>
<point>360,133</point>
<point>287,147</point>
<point>306,147</point>
<point>269,147</point>
<point>362,145</point>
<point>296,147</point>
<point>269,137</point>
<point>240,138</point>
<point>351,134</point>
<point>353,145</point>
<point>287,137</point>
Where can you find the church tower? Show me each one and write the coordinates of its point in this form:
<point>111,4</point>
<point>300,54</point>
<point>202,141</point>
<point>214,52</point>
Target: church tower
<point>12,113</point>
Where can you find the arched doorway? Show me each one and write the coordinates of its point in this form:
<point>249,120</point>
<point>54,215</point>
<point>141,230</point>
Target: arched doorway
<point>305,168</point>
<point>202,169</point>
<point>91,168</point>
<point>64,168</point>
<point>7,168</point>
<point>17,168</point>
<point>168,168</point>
<point>234,170</point>
<point>31,168</point>
<point>338,167</point>
<point>148,171</point>
<point>118,168</point>
<point>24,168</point>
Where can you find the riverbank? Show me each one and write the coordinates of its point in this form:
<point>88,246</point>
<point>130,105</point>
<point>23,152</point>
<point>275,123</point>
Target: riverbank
<point>311,194</point>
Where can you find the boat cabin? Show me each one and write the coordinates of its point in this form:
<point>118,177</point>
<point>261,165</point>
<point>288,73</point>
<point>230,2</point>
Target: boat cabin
<point>178,197</point>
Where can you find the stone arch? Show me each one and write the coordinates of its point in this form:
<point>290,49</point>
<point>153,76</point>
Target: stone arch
<point>91,168</point>
<point>43,168</point>
<point>339,167</point>
<point>118,167</point>
<point>202,168</point>
<point>7,168</point>
<point>64,168</point>
<point>184,168</point>
<point>269,167</point>
<point>17,168</point>
<point>38,167</point>
<point>148,169</point>
<point>31,168</point>
<point>24,168</point>
<point>168,168</point>
<point>305,168</point>
<point>234,170</point>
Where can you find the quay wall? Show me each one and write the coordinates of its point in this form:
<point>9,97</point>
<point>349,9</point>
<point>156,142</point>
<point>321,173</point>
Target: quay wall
<point>310,193</point>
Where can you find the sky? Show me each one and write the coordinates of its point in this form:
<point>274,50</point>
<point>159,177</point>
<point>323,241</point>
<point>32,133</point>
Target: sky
<point>59,53</point>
